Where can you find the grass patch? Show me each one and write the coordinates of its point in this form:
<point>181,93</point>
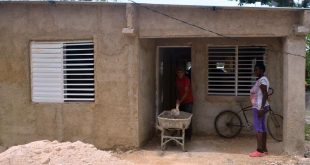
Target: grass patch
<point>307,132</point>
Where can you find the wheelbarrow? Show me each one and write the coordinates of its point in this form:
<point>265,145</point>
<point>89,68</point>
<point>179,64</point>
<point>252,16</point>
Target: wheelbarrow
<point>167,121</point>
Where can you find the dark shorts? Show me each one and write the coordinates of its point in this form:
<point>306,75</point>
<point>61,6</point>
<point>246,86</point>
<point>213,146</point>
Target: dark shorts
<point>259,122</point>
<point>187,107</point>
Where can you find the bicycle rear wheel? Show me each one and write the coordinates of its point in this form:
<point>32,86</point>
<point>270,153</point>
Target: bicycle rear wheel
<point>275,126</point>
<point>228,124</point>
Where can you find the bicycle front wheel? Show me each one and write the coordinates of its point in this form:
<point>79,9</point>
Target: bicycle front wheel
<point>275,126</point>
<point>228,124</point>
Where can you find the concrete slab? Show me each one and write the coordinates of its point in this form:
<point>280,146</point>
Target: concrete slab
<point>211,150</point>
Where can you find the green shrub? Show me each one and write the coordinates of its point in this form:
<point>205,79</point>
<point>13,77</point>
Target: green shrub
<point>307,132</point>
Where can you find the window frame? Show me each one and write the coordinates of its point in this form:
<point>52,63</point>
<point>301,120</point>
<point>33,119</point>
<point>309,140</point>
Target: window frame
<point>63,73</point>
<point>236,67</point>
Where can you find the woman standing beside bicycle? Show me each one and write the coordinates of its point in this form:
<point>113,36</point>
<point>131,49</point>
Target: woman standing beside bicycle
<point>259,96</point>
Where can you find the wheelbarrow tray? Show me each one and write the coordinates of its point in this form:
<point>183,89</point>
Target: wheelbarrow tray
<point>168,121</point>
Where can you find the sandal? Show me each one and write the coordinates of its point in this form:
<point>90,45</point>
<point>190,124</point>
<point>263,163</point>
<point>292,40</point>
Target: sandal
<point>256,154</point>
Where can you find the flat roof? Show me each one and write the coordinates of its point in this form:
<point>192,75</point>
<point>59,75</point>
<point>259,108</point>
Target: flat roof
<point>159,5</point>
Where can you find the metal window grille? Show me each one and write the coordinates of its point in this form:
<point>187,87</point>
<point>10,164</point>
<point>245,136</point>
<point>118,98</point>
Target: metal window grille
<point>230,69</point>
<point>62,71</point>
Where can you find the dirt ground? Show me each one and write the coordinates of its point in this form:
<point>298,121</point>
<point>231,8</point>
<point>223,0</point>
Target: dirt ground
<point>210,150</point>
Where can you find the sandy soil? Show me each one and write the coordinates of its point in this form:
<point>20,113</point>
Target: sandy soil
<point>201,151</point>
<point>55,153</point>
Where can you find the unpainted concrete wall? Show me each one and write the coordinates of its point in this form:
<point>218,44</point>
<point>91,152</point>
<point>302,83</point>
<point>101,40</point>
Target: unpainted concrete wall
<point>207,107</point>
<point>294,94</point>
<point>125,95</point>
<point>112,119</point>
<point>233,22</point>
<point>147,90</point>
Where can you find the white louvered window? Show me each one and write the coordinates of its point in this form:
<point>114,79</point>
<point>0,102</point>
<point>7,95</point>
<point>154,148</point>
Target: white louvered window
<point>231,69</point>
<point>62,71</point>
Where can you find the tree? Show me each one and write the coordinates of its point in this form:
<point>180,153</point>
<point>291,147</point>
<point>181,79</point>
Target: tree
<point>288,3</point>
<point>279,3</point>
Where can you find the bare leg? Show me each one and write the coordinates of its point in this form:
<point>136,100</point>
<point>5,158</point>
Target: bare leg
<point>259,139</point>
<point>265,142</point>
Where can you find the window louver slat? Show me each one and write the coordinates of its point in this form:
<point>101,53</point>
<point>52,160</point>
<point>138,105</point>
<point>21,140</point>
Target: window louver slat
<point>230,69</point>
<point>46,60</point>
<point>221,75</point>
<point>247,58</point>
<point>46,54</point>
<point>47,51</point>
<point>46,45</point>
<point>62,71</point>
<point>78,63</point>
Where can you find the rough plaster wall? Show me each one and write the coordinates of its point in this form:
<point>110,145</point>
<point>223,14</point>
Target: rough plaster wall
<point>233,22</point>
<point>116,99</point>
<point>207,107</point>
<point>13,89</point>
<point>146,90</point>
<point>112,119</point>
<point>116,68</point>
<point>275,73</point>
<point>294,95</point>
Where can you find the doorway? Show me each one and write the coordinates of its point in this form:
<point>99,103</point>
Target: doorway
<point>169,59</point>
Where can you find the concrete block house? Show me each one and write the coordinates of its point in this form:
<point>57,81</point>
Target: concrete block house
<point>101,72</point>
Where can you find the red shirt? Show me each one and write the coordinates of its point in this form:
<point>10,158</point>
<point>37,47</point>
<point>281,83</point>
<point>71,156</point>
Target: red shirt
<point>181,84</point>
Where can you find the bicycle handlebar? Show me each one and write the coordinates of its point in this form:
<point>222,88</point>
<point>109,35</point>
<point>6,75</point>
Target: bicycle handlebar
<point>270,91</point>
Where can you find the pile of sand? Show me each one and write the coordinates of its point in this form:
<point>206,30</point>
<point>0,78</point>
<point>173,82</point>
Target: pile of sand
<point>67,153</point>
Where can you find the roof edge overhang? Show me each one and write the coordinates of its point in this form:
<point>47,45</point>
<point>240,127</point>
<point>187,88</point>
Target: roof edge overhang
<point>51,2</point>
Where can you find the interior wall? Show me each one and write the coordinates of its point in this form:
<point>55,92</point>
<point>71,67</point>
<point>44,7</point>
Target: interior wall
<point>207,107</point>
<point>147,74</point>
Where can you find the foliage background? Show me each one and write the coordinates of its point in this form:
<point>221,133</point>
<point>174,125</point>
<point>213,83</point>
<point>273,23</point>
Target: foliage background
<point>280,3</point>
<point>308,59</point>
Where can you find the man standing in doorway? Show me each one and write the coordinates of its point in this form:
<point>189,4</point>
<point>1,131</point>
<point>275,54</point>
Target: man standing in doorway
<point>184,97</point>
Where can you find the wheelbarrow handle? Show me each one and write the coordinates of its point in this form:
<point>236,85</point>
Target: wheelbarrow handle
<point>159,127</point>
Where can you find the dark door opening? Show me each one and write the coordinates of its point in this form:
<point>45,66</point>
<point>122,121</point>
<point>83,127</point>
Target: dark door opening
<point>170,59</point>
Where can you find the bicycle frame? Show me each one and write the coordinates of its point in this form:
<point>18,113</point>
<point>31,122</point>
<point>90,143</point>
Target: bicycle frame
<point>244,110</point>
<point>247,108</point>
<point>233,122</point>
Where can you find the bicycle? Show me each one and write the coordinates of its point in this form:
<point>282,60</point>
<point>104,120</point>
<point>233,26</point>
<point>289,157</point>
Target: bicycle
<point>228,124</point>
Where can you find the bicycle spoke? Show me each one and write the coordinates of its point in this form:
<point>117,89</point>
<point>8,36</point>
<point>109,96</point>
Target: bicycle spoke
<point>228,124</point>
<point>275,126</point>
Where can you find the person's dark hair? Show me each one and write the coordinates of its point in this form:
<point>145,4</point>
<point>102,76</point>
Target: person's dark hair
<point>260,66</point>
